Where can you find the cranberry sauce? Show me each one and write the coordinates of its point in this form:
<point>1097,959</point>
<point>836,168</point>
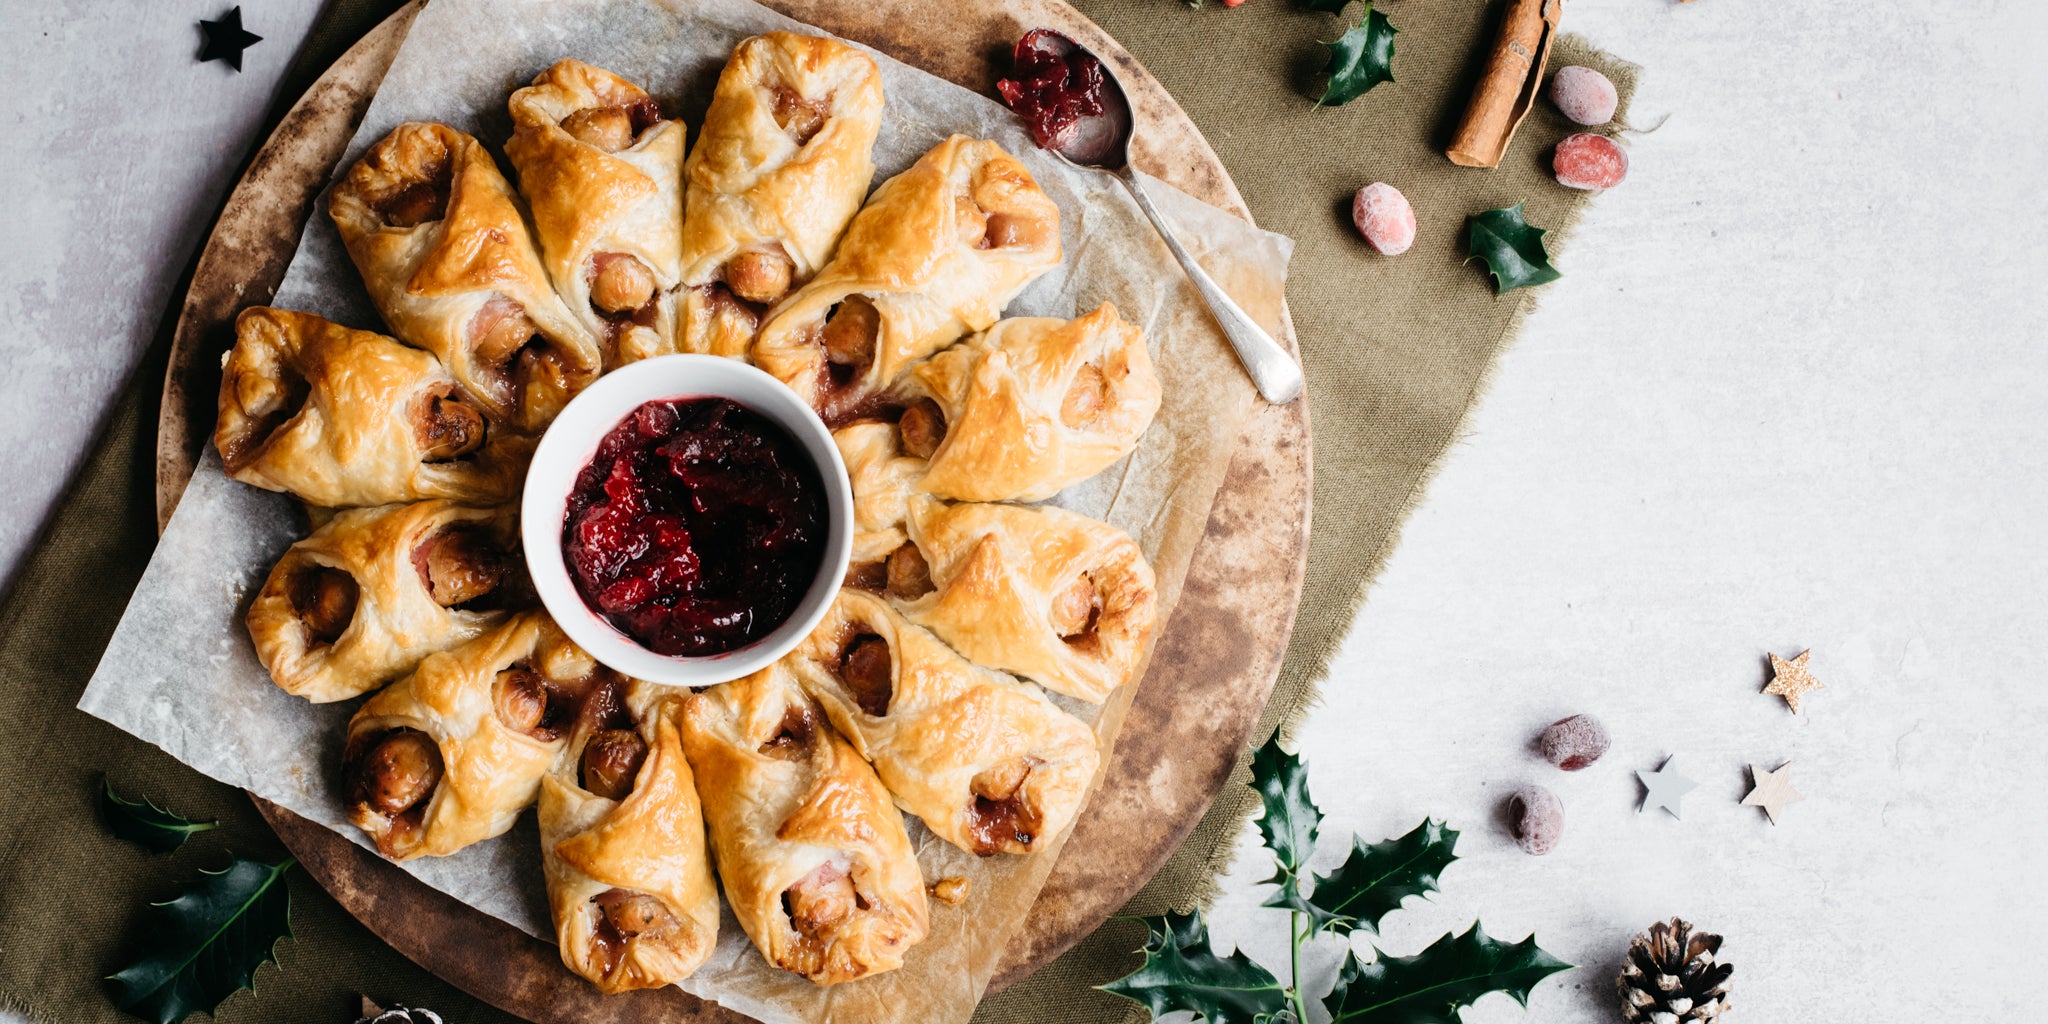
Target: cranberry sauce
<point>697,526</point>
<point>1053,86</point>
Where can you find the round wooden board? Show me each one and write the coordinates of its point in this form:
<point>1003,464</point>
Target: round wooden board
<point>1212,668</point>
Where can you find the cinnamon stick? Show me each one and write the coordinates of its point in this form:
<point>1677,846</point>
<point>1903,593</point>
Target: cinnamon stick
<point>1506,92</point>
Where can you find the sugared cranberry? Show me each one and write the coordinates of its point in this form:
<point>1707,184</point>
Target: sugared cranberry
<point>1575,742</point>
<point>1536,819</point>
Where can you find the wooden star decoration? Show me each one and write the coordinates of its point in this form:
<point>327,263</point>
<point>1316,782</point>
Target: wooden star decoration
<point>1771,791</point>
<point>226,39</point>
<point>1791,680</point>
<point>1664,787</point>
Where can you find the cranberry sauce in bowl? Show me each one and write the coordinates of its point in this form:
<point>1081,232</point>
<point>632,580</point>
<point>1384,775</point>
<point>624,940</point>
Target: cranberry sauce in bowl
<point>696,528</point>
<point>687,519</point>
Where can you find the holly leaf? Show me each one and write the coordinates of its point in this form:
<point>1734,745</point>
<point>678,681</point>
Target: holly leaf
<point>1291,819</point>
<point>1181,972</point>
<point>1372,882</point>
<point>1430,987</point>
<point>144,823</point>
<point>1359,59</point>
<point>206,944</point>
<point>1328,6</point>
<point>1512,248</point>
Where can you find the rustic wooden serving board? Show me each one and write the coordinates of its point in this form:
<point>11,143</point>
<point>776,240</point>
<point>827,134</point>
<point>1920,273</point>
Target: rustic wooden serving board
<point>1214,663</point>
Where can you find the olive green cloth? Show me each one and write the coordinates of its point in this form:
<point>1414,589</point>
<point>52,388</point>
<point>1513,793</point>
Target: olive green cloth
<point>1396,349</point>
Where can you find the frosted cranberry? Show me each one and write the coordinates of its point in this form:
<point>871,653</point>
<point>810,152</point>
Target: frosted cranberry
<point>1589,161</point>
<point>1536,818</point>
<point>1575,742</point>
<point>1384,217</point>
<point>1584,95</point>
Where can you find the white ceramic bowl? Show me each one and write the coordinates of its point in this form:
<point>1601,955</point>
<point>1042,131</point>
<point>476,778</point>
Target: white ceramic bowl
<point>573,438</point>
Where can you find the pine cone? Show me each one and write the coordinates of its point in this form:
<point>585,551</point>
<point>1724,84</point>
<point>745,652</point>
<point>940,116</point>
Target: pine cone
<point>1672,977</point>
<point>374,1014</point>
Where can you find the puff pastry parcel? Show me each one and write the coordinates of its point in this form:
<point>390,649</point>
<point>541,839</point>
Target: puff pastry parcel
<point>884,483</point>
<point>936,253</point>
<point>444,251</point>
<point>781,165</point>
<point>451,754</point>
<point>340,417</point>
<point>816,862</point>
<point>1043,592</point>
<point>374,590</point>
<point>622,844</point>
<point>602,171</point>
<point>1030,406</point>
<point>989,763</point>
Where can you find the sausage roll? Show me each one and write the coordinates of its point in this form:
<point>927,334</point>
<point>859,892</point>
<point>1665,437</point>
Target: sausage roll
<point>340,417</point>
<point>443,249</point>
<point>622,844</point>
<point>451,754</point>
<point>603,173</point>
<point>989,763</point>
<point>884,481</point>
<point>816,862</point>
<point>936,253</point>
<point>374,590</point>
<point>781,165</point>
<point>1042,592</point>
<point>1030,406</point>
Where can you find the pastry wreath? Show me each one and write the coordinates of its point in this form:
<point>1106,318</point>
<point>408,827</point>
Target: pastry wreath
<point>1043,592</point>
<point>1030,406</point>
<point>450,755</point>
<point>339,417</point>
<point>443,250</point>
<point>602,171</point>
<point>815,860</point>
<point>989,763</point>
<point>780,167</point>
<point>623,848</point>
<point>367,595</point>
<point>936,253</point>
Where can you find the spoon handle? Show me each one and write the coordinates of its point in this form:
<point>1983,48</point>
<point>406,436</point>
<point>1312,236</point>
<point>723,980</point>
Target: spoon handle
<point>1276,374</point>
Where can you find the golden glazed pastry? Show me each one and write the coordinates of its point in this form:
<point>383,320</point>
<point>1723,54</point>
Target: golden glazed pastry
<point>1030,406</point>
<point>451,754</point>
<point>443,249</point>
<point>603,173</point>
<point>622,844</point>
<point>342,417</point>
<point>374,590</point>
<point>781,165</point>
<point>884,481</point>
<point>815,860</point>
<point>936,253</point>
<point>1043,592</point>
<point>989,763</point>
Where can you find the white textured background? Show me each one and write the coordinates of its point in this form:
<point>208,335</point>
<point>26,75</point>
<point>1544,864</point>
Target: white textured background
<point>1792,392</point>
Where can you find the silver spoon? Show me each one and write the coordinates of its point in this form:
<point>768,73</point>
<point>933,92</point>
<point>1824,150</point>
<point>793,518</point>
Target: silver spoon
<point>1103,142</point>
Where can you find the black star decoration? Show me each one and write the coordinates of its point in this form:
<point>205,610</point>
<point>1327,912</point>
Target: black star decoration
<point>226,39</point>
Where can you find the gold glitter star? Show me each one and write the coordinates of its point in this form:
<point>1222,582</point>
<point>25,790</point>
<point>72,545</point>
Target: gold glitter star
<point>1790,679</point>
<point>1771,791</point>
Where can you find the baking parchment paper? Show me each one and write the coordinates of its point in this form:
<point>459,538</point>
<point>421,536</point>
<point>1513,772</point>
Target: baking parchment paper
<point>180,671</point>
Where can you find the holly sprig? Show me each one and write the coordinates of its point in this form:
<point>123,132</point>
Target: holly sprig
<point>1182,971</point>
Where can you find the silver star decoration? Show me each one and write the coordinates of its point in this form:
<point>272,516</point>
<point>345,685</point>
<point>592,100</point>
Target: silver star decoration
<point>1665,787</point>
<point>1771,791</point>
